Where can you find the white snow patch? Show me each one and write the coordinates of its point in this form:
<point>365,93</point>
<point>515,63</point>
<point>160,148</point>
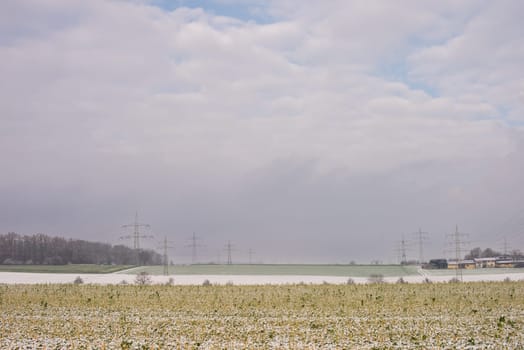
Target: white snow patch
<point>51,278</point>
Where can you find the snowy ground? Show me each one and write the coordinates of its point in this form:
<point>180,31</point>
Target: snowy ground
<point>39,278</point>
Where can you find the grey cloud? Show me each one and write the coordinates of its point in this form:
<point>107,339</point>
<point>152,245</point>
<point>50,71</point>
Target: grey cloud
<point>236,131</point>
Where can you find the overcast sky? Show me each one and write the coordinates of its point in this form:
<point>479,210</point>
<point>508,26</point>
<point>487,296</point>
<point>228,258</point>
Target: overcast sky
<point>309,131</point>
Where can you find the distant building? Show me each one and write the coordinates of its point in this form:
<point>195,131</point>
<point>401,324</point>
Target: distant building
<point>505,263</point>
<point>485,262</point>
<point>462,264</point>
<point>437,264</point>
<point>477,263</point>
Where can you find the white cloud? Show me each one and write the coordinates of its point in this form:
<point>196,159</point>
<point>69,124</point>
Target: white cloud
<point>484,60</point>
<point>107,98</point>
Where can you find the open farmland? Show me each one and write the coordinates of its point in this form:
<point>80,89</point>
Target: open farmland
<point>282,270</point>
<point>459,315</point>
<point>69,268</point>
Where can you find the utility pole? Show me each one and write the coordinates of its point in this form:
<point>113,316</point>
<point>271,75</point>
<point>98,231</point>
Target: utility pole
<point>421,236</point>
<point>229,249</point>
<point>194,245</point>
<point>136,232</point>
<point>458,243</point>
<point>165,246</point>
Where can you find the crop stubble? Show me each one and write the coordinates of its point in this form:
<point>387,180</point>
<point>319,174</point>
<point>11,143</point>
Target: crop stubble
<point>439,315</point>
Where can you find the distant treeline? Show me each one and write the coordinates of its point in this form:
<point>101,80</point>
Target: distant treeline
<point>40,249</point>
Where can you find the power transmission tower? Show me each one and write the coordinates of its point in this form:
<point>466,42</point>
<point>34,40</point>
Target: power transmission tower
<point>459,244</point>
<point>401,250</point>
<point>194,245</point>
<point>505,247</point>
<point>136,232</point>
<point>421,236</point>
<point>229,248</point>
<point>165,246</point>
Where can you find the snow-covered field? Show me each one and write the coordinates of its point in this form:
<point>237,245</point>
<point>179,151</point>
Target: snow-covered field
<point>42,278</point>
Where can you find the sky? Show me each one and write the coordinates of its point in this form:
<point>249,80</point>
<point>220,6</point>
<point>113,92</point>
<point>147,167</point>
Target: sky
<point>307,131</point>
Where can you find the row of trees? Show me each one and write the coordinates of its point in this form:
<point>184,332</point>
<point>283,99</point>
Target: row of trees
<point>40,249</point>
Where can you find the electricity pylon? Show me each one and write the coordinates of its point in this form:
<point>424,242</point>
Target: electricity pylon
<point>136,232</point>
<point>401,250</point>
<point>459,244</point>
<point>421,236</point>
<point>229,248</point>
<point>505,247</point>
<point>165,246</point>
<point>194,245</point>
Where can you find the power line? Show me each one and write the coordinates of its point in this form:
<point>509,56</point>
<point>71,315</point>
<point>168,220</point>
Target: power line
<point>136,232</point>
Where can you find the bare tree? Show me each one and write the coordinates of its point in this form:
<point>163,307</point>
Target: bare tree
<point>143,278</point>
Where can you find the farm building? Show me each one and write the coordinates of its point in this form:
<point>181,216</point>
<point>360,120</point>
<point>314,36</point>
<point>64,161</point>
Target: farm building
<point>485,262</point>
<point>462,264</point>
<point>505,263</point>
<point>477,263</point>
<point>492,262</point>
<point>437,264</point>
